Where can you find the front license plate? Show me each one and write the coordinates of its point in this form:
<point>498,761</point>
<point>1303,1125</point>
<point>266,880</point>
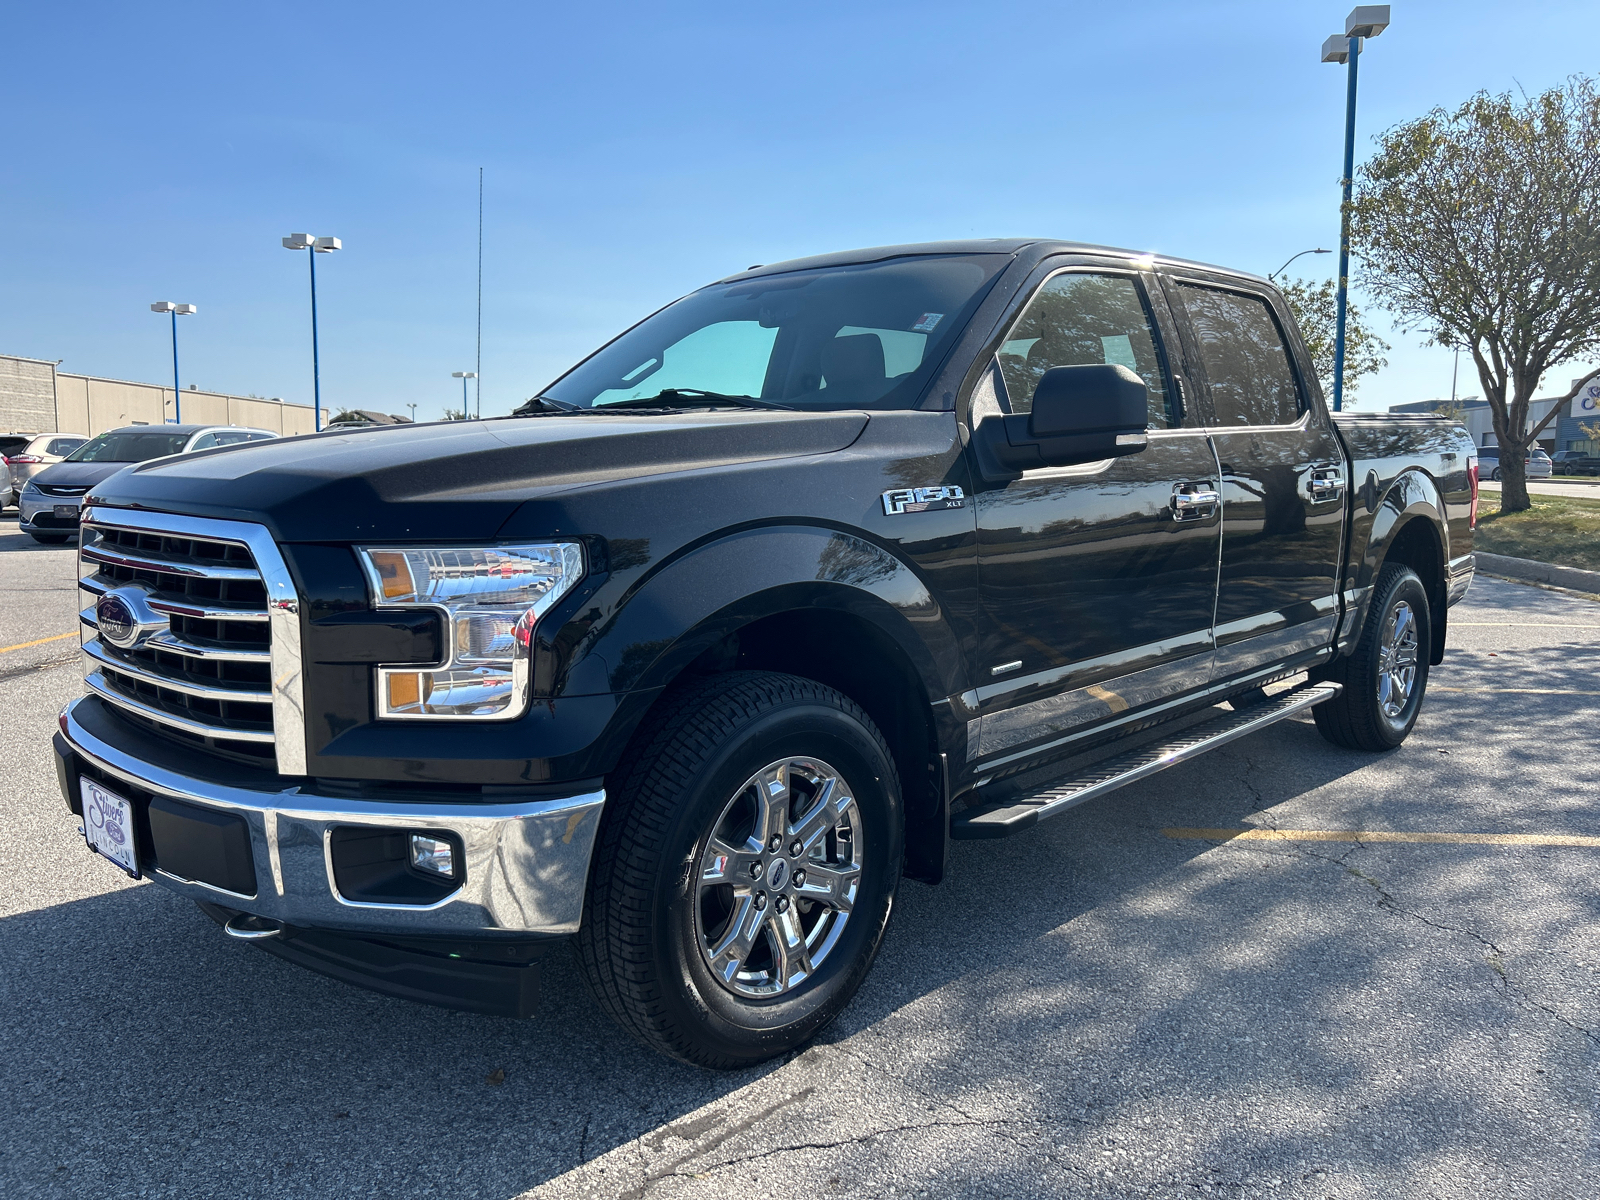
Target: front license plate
<point>66,510</point>
<point>108,826</point>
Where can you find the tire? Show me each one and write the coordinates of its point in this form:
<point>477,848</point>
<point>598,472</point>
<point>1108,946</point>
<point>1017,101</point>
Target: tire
<point>663,900</point>
<point>1494,475</point>
<point>50,539</point>
<point>1375,712</point>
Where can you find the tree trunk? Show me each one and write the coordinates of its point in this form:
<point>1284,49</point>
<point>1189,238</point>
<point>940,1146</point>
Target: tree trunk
<point>1513,478</point>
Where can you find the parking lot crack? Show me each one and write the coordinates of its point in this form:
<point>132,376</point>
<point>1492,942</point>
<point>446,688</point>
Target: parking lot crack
<point>856,1140</point>
<point>1494,956</point>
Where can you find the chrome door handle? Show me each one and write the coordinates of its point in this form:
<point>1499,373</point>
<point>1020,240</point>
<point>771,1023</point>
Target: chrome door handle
<point>1191,505</point>
<point>1325,484</point>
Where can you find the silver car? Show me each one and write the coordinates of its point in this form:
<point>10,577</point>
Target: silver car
<point>24,455</point>
<point>50,502</point>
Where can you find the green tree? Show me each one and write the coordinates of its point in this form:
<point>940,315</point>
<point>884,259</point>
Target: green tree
<point>1315,307</point>
<point>1481,228</point>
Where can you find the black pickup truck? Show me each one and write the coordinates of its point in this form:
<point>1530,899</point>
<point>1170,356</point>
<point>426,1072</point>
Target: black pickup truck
<point>698,653</point>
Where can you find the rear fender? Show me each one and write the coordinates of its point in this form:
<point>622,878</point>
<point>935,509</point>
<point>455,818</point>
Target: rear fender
<point>1412,496</point>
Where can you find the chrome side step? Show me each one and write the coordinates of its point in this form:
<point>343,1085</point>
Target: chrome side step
<point>1006,817</point>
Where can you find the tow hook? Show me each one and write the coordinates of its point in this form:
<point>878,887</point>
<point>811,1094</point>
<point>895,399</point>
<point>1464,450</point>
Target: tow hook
<point>251,928</point>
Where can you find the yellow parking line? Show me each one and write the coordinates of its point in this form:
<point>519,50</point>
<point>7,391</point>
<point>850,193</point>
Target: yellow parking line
<point>40,642</point>
<point>1521,691</point>
<point>1371,835</point>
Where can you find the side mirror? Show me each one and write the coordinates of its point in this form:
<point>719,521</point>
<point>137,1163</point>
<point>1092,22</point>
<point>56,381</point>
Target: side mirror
<point>1080,414</point>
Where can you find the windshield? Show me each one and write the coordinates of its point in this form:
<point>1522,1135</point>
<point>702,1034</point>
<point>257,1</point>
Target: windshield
<point>121,445</point>
<point>867,335</point>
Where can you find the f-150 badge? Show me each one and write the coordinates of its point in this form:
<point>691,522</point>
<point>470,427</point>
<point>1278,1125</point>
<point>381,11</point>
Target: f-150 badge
<point>911,500</point>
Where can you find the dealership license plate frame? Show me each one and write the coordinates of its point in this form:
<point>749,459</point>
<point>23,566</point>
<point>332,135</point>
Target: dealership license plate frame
<point>108,826</point>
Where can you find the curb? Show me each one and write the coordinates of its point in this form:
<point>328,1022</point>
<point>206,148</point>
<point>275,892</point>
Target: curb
<point>1574,578</point>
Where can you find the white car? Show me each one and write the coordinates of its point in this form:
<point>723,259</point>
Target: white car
<point>50,501</point>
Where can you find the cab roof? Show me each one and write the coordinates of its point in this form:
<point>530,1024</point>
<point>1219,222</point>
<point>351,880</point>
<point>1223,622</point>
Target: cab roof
<point>1036,247</point>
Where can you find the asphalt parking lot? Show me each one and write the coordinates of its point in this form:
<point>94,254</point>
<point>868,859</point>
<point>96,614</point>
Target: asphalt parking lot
<point>1126,1001</point>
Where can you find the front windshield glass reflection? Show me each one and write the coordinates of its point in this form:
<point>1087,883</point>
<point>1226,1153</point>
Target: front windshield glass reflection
<point>121,445</point>
<point>869,335</point>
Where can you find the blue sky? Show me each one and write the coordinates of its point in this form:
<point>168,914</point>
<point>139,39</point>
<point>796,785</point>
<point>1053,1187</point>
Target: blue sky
<point>633,152</point>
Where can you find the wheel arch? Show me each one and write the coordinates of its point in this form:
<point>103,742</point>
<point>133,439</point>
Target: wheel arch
<point>823,604</point>
<point>1409,527</point>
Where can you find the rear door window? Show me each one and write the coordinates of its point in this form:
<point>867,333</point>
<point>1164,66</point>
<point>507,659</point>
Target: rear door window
<point>1244,355</point>
<point>1081,319</point>
<point>64,446</point>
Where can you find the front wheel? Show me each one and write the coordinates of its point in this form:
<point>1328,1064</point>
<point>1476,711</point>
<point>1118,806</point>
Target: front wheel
<point>746,869</point>
<point>1386,674</point>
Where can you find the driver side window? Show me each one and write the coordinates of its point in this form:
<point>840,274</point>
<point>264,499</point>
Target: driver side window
<point>1081,319</point>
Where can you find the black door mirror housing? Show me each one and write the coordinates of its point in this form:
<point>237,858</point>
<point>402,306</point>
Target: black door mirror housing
<point>1080,414</point>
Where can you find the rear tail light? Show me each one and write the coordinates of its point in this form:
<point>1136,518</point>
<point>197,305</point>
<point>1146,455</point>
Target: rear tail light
<point>29,459</point>
<point>1472,478</point>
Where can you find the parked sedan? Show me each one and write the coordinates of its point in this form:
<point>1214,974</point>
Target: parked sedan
<point>50,501</point>
<point>1536,466</point>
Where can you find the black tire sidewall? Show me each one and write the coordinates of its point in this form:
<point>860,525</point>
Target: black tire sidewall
<point>1404,585</point>
<point>754,1029</point>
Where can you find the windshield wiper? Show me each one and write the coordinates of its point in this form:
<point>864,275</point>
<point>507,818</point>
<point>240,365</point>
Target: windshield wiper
<point>543,404</point>
<point>686,397</point>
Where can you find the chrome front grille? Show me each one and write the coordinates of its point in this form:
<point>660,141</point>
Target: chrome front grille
<point>216,660</point>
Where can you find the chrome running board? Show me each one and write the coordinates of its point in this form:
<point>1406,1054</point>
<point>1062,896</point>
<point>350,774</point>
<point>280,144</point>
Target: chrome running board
<point>1005,817</point>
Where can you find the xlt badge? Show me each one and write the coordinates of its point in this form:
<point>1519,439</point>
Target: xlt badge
<point>909,500</point>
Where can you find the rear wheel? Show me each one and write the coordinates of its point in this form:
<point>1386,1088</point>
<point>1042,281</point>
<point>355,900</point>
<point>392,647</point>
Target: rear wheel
<point>1386,675</point>
<point>746,869</point>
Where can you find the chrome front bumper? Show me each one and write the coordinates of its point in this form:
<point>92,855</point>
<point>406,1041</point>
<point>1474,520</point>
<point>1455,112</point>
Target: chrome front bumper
<point>526,865</point>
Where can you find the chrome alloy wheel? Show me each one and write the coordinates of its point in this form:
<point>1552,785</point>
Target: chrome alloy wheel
<point>778,877</point>
<point>1397,660</point>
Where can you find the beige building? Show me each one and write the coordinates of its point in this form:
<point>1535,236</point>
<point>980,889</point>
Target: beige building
<point>37,398</point>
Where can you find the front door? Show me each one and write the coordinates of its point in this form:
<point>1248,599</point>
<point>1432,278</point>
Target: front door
<point>1097,581</point>
<point>1282,481</point>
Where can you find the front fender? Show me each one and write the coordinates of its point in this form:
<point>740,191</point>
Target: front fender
<point>692,603</point>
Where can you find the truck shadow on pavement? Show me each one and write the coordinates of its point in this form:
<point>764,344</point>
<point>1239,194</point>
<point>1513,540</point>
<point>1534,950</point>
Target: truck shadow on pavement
<point>1273,1006</point>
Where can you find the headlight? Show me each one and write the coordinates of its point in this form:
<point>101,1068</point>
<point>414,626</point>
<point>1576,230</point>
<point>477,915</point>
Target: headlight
<point>30,488</point>
<point>491,597</point>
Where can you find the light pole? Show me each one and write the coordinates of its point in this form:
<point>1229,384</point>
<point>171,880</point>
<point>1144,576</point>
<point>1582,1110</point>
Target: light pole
<point>1364,21</point>
<point>1274,275</point>
<point>177,310</point>
<point>313,247</point>
<point>413,409</point>
<point>464,376</point>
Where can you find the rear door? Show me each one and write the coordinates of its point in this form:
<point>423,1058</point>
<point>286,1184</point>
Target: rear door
<point>1097,585</point>
<point>1282,470</point>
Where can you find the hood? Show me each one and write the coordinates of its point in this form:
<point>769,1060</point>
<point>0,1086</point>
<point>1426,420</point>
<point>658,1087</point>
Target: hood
<point>458,479</point>
<point>71,474</point>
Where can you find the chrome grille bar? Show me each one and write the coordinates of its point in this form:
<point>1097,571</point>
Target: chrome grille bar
<point>166,566</point>
<point>107,661</point>
<point>97,683</point>
<point>218,558</point>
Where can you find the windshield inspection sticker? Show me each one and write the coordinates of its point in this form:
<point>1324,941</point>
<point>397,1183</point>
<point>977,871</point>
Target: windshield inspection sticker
<point>924,499</point>
<point>926,322</point>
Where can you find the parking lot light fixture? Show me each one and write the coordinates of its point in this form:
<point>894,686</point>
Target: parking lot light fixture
<point>464,376</point>
<point>313,247</point>
<point>1364,21</point>
<point>1274,275</point>
<point>175,311</point>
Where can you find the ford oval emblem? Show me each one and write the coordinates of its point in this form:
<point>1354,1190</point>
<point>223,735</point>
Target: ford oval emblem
<point>116,621</point>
